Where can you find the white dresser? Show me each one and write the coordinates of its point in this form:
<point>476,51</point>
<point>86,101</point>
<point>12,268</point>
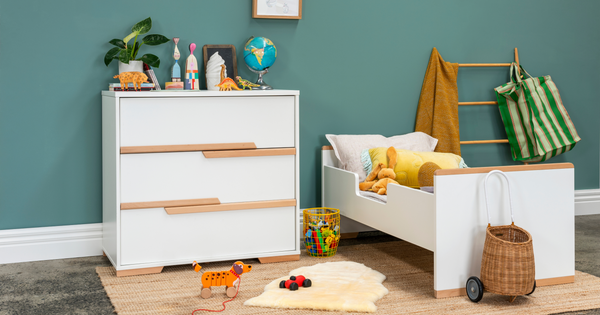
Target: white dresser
<point>204,175</point>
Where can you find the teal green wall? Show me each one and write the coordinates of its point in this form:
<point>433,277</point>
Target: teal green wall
<point>358,65</point>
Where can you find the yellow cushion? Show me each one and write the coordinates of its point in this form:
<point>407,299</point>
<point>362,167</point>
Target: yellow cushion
<point>409,162</point>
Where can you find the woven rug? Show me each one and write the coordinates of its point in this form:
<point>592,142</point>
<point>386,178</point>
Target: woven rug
<point>408,268</point>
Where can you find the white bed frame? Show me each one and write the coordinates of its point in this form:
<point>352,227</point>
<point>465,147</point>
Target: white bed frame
<point>451,222</point>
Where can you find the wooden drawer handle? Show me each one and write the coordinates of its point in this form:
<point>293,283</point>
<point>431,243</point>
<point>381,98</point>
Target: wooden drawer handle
<point>188,147</point>
<point>245,153</point>
<point>232,206</point>
<point>169,203</point>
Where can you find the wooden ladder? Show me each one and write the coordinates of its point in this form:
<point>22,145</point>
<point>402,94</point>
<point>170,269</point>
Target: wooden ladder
<point>487,102</point>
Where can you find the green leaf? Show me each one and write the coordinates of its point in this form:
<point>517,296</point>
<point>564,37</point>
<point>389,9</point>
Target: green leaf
<point>142,27</point>
<point>111,54</point>
<point>151,60</point>
<point>119,43</point>
<point>129,37</point>
<point>124,56</point>
<point>154,40</point>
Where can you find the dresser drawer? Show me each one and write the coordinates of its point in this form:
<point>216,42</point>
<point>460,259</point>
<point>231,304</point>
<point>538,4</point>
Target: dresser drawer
<point>266,121</point>
<point>151,235</point>
<point>190,175</point>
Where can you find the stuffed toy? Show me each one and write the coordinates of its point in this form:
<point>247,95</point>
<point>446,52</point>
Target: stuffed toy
<point>381,176</point>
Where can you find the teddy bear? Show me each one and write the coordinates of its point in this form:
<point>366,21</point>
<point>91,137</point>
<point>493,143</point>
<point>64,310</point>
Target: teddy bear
<point>381,176</point>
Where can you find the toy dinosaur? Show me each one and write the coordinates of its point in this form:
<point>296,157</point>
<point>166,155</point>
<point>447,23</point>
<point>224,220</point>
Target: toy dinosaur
<point>135,77</point>
<point>226,83</point>
<point>245,83</point>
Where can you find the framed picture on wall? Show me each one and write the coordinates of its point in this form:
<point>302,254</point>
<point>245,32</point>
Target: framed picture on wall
<point>277,9</point>
<point>212,66</point>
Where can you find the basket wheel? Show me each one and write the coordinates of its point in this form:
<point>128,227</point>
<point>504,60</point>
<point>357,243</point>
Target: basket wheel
<point>534,285</point>
<point>474,289</point>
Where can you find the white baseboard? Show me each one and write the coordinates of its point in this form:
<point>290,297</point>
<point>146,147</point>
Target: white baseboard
<point>587,202</point>
<point>46,243</point>
<point>71,241</point>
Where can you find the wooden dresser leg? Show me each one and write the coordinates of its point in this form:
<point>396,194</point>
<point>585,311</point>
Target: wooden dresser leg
<point>267,260</point>
<point>141,271</point>
<point>349,235</point>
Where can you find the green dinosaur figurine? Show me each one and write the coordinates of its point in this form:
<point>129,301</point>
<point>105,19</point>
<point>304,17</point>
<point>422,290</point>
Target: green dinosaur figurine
<point>245,83</point>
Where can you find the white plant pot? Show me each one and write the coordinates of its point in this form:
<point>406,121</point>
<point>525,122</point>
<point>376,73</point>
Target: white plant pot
<point>134,65</point>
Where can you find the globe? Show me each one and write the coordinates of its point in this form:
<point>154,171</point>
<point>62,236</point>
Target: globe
<point>259,53</point>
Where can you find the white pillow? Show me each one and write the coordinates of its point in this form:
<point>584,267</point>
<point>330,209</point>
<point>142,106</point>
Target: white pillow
<point>348,148</point>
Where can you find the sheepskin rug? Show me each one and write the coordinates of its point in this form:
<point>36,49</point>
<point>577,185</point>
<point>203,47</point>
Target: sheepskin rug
<point>336,286</point>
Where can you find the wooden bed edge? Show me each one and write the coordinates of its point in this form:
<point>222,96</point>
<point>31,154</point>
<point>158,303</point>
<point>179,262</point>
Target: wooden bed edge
<point>539,283</point>
<point>326,147</point>
<point>509,168</point>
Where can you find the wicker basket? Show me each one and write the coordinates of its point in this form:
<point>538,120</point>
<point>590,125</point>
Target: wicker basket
<point>507,264</point>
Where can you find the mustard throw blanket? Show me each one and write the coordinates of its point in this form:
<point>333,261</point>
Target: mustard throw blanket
<point>437,114</point>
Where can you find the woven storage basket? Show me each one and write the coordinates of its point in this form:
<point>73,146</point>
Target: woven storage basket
<point>507,264</point>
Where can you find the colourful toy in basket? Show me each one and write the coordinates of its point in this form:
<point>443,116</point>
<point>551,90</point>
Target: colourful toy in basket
<point>228,278</point>
<point>295,282</point>
<point>320,239</point>
<point>381,176</point>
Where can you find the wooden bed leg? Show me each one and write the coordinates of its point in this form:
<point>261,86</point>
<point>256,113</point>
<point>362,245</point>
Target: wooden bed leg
<point>103,254</point>
<point>348,235</point>
<point>267,260</point>
<point>141,271</point>
<point>450,293</point>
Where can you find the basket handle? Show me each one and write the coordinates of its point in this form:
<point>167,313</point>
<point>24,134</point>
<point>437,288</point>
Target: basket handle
<point>487,206</point>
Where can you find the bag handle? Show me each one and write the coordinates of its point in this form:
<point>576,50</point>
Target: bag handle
<point>487,206</point>
<point>515,74</point>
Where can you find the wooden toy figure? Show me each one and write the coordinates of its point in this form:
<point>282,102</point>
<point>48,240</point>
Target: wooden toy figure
<point>191,71</point>
<point>176,70</point>
<point>228,278</point>
<point>175,83</point>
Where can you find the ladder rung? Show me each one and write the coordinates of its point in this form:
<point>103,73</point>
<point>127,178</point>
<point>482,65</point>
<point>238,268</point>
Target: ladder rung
<point>484,141</point>
<point>478,103</point>
<point>484,64</point>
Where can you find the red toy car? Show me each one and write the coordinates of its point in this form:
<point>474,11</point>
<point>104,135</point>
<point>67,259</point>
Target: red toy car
<point>295,282</point>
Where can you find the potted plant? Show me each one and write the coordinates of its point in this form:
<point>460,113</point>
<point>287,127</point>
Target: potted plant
<point>127,53</point>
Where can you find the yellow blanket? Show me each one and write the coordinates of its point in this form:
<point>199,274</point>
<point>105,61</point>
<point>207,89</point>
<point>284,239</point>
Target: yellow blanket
<point>437,114</point>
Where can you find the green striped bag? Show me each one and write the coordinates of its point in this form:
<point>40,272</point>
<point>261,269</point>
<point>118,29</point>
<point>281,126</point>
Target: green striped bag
<point>536,122</point>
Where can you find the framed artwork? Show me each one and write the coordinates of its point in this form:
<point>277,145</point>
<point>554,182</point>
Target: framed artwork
<point>227,53</point>
<point>277,9</point>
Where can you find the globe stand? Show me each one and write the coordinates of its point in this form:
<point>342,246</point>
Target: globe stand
<point>261,84</point>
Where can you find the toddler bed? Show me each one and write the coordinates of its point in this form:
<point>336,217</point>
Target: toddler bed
<point>451,222</point>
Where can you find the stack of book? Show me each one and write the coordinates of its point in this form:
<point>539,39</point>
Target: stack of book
<point>117,87</point>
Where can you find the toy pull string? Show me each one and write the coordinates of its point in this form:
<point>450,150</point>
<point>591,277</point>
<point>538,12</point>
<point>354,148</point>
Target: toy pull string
<point>216,311</point>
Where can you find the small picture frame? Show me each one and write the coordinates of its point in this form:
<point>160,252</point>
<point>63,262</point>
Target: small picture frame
<point>227,52</point>
<point>277,9</point>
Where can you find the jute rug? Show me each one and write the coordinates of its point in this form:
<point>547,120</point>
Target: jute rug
<point>408,268</point>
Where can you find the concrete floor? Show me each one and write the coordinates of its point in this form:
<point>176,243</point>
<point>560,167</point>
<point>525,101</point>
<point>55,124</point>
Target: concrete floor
<point>71,286</point>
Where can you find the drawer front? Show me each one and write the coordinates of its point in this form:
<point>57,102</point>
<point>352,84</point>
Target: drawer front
<point>189,175</point>
<point>266,121</point>
<point>151,235</point>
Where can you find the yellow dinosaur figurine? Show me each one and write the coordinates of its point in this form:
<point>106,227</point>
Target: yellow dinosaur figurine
<point>226,83</point>
<point>135,77</point>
